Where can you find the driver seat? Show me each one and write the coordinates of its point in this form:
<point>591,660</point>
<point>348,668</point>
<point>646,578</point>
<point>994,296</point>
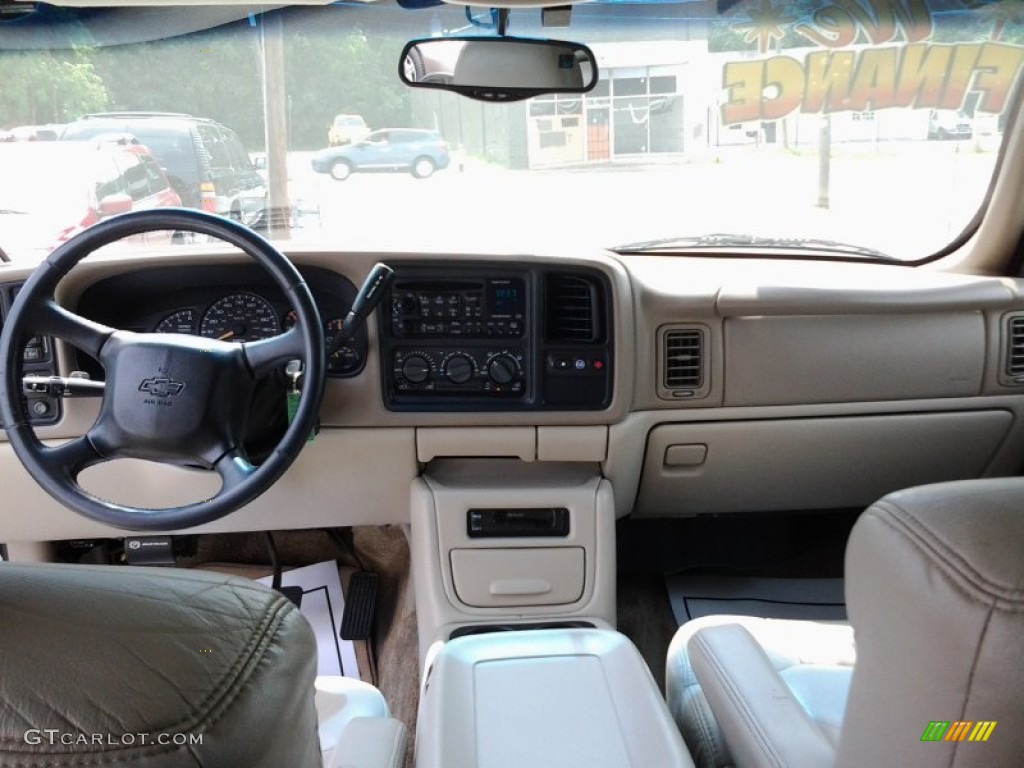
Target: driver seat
<point>114,665</point>
<point>935,595</point>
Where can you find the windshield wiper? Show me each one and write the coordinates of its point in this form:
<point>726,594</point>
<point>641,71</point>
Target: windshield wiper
<point>724,240</point>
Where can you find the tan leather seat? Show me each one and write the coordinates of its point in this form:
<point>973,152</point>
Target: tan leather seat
<point>935,595</point>
<point>127,666</point>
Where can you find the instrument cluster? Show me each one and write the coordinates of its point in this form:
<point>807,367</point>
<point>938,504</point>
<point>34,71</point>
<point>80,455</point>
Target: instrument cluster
<point>249,316</point>
<point>235,303</point>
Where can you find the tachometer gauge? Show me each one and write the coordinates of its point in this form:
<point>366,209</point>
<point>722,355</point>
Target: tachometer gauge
<point>240,317</point>
<point>182,321</point>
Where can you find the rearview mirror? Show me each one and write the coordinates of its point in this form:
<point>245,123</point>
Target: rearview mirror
<point>498,68</point>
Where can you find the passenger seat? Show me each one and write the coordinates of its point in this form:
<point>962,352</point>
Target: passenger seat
<point>935,595</point>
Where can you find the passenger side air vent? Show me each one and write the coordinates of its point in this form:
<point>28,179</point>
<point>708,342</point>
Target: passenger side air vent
<point>572,309</point>
<point>684,353</point>
<point>683,362</point>
<point>1014,370</point>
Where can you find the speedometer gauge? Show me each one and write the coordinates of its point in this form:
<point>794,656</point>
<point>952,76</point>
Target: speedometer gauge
<point>240,317</point>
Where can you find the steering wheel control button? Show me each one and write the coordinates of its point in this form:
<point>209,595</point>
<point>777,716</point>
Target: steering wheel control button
<point>40,408</point>
<point>36,350</point>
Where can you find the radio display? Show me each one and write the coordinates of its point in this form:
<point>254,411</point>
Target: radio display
<point>505,298</point>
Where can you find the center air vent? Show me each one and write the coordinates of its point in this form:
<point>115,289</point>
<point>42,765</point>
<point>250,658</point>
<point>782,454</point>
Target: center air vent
<point>1015,349</point>
<point>683,362</point>
<point>572,309</point>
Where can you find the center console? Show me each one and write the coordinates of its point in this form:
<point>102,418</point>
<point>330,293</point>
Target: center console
<point>544,699</point>
<point>499,543</point>
<point>498,338</point>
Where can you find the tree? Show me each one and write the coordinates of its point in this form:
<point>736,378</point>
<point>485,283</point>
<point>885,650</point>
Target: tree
<point>42,86</point>
<point>329,76</point>
<point>214,74</point>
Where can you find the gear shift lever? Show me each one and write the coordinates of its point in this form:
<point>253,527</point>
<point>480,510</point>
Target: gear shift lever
<point>369,296</point>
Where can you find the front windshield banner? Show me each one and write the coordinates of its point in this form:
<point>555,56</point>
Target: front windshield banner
<point>866,55</point>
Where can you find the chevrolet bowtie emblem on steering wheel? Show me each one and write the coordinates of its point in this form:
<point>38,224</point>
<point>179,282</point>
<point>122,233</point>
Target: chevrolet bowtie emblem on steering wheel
<point>161,386</point>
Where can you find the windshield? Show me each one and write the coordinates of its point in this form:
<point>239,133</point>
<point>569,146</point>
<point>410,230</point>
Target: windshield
<point>844,128</point>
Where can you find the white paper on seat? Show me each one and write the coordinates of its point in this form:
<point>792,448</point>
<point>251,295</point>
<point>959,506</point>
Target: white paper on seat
<point>323,605</point>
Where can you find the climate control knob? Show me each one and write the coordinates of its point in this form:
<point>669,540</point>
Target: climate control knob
<point>502,369</point>
<point>416,369</point>
<point>459,369</point>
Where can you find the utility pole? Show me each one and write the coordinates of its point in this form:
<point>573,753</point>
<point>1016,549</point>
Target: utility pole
<point>275,109</point>
<point>824,159</point>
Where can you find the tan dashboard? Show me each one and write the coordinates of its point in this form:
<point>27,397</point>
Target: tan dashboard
<point>735,385</point>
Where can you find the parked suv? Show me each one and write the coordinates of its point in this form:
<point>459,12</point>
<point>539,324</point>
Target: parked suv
<point>51,190</point>
<point>394,149</point>
<point>205,161</point>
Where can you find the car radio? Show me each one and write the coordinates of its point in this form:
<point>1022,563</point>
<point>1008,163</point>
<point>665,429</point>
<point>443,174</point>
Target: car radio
<point>493,307</point>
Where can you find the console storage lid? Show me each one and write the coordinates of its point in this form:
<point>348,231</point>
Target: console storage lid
<point>545,699</point>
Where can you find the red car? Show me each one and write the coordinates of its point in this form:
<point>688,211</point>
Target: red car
<point>51,190</point>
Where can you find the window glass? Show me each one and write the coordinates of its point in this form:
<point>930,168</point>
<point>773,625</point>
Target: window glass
<point>157,180</point>
<point>236,154</point>
<point>213,143</point>
<point>871,124</point>
<point>109,178</point>
<point>136,180</point>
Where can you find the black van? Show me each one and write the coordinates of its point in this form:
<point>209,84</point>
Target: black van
<point>204,160</point>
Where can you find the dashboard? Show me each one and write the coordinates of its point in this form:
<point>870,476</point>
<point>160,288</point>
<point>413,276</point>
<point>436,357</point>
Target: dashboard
<point>698,385</point>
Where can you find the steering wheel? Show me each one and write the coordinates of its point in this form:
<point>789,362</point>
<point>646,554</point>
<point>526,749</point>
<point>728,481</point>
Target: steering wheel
<point>168,398</point>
